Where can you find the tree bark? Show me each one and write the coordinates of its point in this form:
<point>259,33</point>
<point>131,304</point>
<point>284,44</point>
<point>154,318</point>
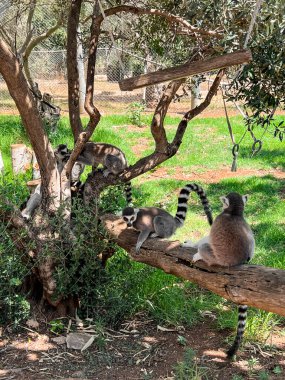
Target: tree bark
<point>72,69</point>
<point>186,70</point>
<point>18,87</point>
<point>252,285</point>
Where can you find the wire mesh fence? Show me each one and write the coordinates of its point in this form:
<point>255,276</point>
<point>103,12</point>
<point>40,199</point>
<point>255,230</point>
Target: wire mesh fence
<point>48,69</point>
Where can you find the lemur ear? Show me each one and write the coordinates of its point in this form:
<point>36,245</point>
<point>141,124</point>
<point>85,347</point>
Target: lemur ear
<point>245,198</point>
<point>225,202</point>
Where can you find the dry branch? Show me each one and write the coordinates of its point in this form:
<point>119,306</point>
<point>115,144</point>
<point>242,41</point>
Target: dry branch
<point>253,285</point>
<point>171,18</point>
<point>186,70</point>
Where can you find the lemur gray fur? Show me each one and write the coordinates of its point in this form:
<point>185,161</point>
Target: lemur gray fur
<point>155,222</point>
<point>231,242</point>
<point>110,157</point>
<point>62,155</point>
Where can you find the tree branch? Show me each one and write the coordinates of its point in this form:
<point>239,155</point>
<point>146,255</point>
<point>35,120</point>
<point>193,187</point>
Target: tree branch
<point>157,124</point>
<point>196,111</point>
<point>157,12</point>
<point>252,285</point>
<point>72,70</point>
<point>29,27</point>
<point>90,108</point>
<point>18,87</point>
<point>34,42</point>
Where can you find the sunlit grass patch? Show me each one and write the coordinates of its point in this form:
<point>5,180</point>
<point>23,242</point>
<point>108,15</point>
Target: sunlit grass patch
<point>206,147</point>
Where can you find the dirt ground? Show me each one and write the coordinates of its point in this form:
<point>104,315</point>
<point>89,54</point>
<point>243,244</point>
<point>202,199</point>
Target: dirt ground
<point>140,350</point>
<point>210,176</point>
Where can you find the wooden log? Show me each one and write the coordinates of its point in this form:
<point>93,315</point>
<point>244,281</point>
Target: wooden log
<point>253,285</point>
<point>21,158</point>
<point>185,70</point>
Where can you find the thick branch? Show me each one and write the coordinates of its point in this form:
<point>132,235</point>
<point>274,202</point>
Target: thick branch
<point>72,70</point>
<point>149,162</point>
<point>90,108</point>
<point>252,285</point>
<point>18,88</point>
<point>157,128</point>
<point>196,111</point>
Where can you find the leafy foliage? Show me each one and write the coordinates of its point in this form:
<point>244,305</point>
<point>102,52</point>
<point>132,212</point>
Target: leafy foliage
<point>13,304</point>
<point>135,110</point>
<point>260,85</point>
<point>189,369</point>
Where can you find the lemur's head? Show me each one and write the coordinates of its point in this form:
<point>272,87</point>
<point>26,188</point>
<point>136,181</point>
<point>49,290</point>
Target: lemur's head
<point>62,152</point>
<point>234,203</point>
<point>129,215</point>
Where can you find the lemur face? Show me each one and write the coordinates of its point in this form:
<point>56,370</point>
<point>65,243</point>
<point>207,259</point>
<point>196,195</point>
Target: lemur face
<point>129,216</point>
<point>61,151</point>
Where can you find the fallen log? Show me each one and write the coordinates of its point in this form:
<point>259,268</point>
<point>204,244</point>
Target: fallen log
<point>252,285</point>
<point>186,70</point>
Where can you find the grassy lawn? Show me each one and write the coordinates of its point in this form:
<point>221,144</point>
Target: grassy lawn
<point>206,147</point>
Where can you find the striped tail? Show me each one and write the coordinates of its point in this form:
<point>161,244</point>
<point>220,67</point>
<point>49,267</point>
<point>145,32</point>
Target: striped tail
<point>183,199</point>
<point>242,312</point>
<point>128,192</point>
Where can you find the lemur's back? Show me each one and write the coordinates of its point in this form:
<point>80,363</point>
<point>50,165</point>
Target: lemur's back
<point>101,150</point>
<point>231,240</point>
<point>146,215</point>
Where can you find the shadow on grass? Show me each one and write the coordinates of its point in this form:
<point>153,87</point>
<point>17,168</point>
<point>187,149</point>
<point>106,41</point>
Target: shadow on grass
<point>274,157</point>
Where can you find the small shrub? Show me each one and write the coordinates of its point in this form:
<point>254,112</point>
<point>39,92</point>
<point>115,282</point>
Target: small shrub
<point>135,110</point>
<point>189,369</point>
<point>13,305</point>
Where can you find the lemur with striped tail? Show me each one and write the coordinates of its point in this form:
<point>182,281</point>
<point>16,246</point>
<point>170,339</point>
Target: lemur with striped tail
<point>109,156</point>
<point>230,242</point>
<point>156,222</point>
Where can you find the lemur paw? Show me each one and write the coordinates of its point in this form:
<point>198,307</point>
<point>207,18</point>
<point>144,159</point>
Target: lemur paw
<point>189,244</point>
<point>153,235</point>
<point>106,172</point>
<point>197,257</point>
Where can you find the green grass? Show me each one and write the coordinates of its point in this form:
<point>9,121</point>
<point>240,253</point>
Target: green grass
<point>206,146</point>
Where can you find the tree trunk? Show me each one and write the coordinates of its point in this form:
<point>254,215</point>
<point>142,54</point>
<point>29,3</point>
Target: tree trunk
<point>19,90</point>
<point>251,285</point>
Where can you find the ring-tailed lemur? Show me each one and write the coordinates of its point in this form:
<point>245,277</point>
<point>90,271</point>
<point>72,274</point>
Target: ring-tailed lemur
<point>109,156</point>
<point>112,158</point>
<point>231,242</point>
<point>62,154</point>
<point>155,222</point>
